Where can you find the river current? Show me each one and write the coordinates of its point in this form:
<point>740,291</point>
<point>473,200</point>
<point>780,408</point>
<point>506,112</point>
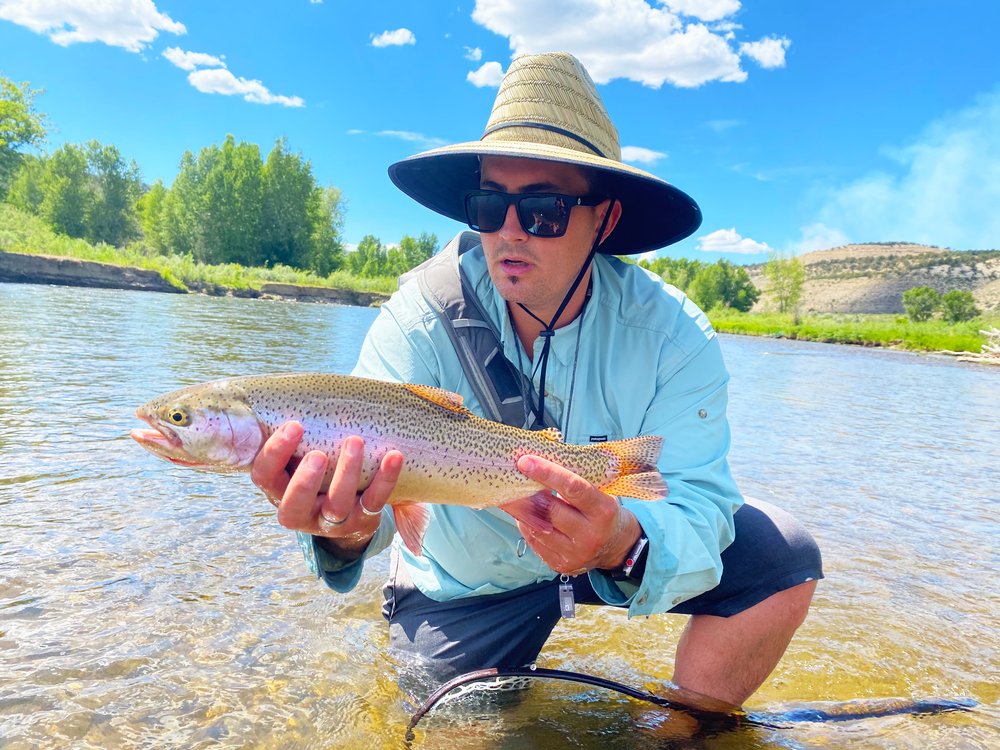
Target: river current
<point>148,606</point>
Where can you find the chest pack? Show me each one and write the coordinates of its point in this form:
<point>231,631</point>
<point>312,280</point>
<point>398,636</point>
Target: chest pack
<point>501,388</point>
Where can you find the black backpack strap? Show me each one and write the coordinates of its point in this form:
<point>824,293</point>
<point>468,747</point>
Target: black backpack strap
<point>500,386</point>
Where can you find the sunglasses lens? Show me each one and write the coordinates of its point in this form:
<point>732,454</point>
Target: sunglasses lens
<point>544,216</point>
<point>485,211</point>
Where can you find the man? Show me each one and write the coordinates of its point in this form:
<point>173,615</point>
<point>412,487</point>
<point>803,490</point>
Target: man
<point>610,352</point>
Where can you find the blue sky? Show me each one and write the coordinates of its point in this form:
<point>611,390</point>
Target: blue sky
<point>796,125</point>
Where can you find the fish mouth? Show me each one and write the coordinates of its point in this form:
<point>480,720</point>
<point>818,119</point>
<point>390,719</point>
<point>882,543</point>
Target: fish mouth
<point>160,440</point>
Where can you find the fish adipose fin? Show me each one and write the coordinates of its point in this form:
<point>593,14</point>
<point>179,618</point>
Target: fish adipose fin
<point>441,397</point>
<point>638,475</point>
<point>411,523</point>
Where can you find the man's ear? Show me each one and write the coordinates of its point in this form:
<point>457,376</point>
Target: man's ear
<point>616,214</point>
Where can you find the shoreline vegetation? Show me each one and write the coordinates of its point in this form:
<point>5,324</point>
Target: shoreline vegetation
<point>30,252</point>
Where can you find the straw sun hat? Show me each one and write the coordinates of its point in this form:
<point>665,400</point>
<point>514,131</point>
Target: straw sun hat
<point>548,108</point>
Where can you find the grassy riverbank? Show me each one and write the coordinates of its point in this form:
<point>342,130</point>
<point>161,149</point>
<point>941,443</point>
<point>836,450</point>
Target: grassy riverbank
<point>895,331</point>
<point>21,232</point>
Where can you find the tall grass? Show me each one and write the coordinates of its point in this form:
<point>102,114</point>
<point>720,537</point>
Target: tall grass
<point>21,232</point>
<point>866,330</point>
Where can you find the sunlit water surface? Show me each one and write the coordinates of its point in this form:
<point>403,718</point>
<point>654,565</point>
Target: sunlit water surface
<point>143,605</point>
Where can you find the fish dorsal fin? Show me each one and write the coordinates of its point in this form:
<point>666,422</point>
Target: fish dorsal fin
<point>550,433</point>
<point>441,397</point>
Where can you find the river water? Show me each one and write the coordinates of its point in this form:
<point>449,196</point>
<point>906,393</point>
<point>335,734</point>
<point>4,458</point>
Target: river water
<point>148,606</point>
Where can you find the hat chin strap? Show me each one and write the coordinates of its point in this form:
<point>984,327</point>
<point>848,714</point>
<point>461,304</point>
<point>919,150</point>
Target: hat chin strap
<point>548,329</point>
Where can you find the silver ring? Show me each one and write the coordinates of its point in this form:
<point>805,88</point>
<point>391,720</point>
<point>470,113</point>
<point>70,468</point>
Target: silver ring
<point>365,510</point>
<point>325,520</point>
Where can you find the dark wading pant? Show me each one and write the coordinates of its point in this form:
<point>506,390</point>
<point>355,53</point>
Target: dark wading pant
<point>772,552</point>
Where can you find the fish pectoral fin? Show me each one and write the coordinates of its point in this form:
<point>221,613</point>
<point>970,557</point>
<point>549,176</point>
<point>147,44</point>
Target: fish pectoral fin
<point>411,523</point>
<point>441,397</point>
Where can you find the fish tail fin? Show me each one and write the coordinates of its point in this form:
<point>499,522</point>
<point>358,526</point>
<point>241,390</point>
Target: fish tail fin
<point>411,523</point>
<point>635,463</point>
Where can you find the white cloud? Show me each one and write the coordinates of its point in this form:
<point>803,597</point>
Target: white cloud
<point>640,155</point>
<point>819,237</point>
<point>729,241</point>
<point>130,24</point>
<point>191,60</point>
<point>706,10</point>
<point>631,39</point>
<point>944,190</point>
<point>488,74</point>
<point>473,53</point>
<point>768,53</point>
<point>423,141</point>
<point>395,38</point>
<point>221,81</point>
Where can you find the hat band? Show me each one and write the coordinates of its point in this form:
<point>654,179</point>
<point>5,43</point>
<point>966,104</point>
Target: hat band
<point>544,126</point>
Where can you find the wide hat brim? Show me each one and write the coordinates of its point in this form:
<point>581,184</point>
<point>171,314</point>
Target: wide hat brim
<point>654,212</point>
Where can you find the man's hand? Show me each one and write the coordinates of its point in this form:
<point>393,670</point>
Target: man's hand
<point>585,528</point>
<point>339,514</point>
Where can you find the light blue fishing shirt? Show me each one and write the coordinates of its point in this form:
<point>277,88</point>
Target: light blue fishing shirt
<point>649,363</point>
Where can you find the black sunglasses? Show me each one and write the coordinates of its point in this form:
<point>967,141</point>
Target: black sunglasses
<point>540,214</point>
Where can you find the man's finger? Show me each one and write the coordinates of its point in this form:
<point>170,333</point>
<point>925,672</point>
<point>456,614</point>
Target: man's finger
<point>268,471</point>
<point>299,503</point>
<point>572,488</point>
<point>343,491</point>
<point>373,499</point>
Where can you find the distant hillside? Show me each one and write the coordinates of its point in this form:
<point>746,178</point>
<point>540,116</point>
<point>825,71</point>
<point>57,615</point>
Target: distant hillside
<point>871,278</point>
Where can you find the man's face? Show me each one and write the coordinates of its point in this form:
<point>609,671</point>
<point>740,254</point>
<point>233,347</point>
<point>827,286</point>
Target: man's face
<point>538,271</point>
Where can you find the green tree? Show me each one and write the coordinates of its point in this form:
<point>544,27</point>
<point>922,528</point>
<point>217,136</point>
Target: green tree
<point>21,126</point>
<point>678,272</point>
<point>184,212</point>
<point>787,277</point>
<point>26,187</point>
<point>326,219</point>
<point>233,193</point>
<point>115,186</point>
<point>65,190</point>
<point>151,208</point>
<point>369,259</point>
<point>920,303</point>
<point>957,306</point>
<point>287,185</point>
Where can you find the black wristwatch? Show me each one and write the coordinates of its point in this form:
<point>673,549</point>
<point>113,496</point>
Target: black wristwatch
<point>635,564</point>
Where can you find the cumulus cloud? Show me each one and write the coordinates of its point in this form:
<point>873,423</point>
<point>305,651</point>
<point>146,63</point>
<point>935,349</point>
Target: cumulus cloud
<point>943,189</point>
<point>729,241</point>
<point>221,81</point>
<point>640,155</point>
<point>473,53</point>
<point>488,74</point>
<point>421,140</point>
<point>130,24</point>
<point>191,60</point>
<point>395,38</point>
<point>706,10</point>
<point>652,44</point>
<point>768,53</point>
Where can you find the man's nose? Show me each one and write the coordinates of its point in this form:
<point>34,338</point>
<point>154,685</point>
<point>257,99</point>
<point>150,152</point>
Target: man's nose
<point>511,228</point>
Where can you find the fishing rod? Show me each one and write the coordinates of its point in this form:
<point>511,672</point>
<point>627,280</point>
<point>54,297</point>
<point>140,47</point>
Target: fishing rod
<point>720,717</point>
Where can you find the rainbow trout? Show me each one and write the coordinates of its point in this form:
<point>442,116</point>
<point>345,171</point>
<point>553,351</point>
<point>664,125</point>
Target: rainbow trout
<point>450,455</point>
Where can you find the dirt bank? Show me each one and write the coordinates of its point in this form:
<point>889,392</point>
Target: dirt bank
<point>50,269</point>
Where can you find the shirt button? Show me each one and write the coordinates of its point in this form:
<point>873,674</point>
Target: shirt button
<point>678,600</point>
<point>642,599</point>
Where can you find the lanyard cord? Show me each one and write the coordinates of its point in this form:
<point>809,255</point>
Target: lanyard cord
<point>548,330</point>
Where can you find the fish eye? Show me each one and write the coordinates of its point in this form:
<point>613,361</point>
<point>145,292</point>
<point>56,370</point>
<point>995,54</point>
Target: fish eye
<point>178,416</point>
